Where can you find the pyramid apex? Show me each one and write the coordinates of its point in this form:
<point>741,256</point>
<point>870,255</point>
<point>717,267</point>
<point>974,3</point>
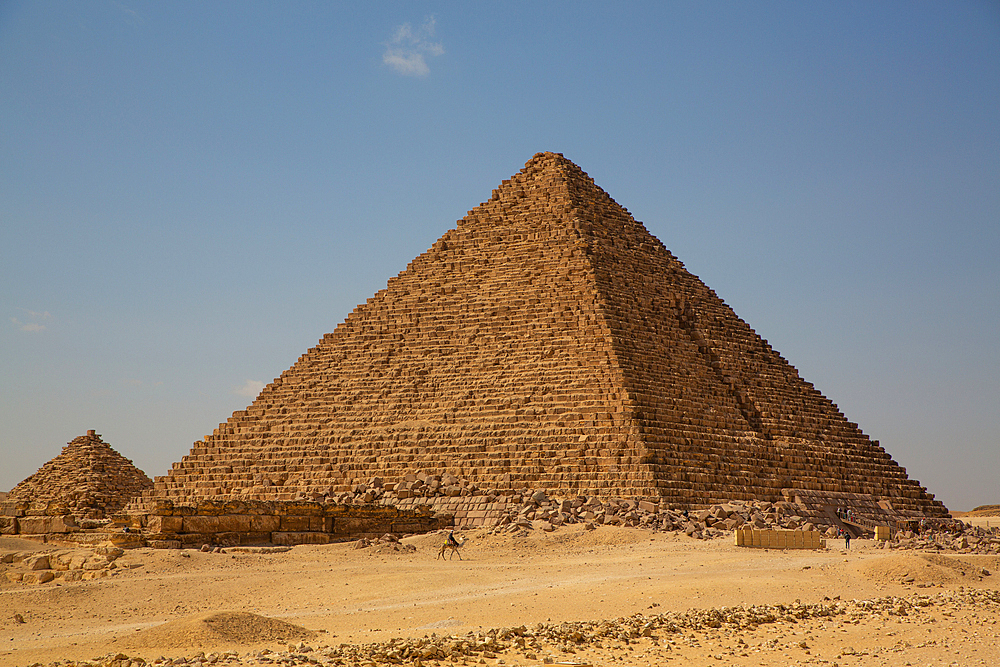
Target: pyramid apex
<point>557,164</point>
<point>547,159</point>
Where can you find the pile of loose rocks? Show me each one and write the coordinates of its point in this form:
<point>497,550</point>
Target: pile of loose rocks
<point>414,485</point>
<point>386,543</point>
<point>537,510</point>
<point>963,539</point>
<point>533,509</point>
<point>41,567</point>
<point>547,639</point>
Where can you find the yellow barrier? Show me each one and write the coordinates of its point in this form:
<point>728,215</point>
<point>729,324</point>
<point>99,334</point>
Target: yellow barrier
<point>882,533</point>
<point>779,539</point>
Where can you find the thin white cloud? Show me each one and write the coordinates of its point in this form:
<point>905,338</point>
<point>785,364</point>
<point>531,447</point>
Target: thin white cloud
<point>31,327</point>
<point>407,49</point>
<point>250,389</point>
<point>132,17</point>
<point>35,319</point>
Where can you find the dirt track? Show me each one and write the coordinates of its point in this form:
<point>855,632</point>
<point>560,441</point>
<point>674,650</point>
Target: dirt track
<point>359,596</point>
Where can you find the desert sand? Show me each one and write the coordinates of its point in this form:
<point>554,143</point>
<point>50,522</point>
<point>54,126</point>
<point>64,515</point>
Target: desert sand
<point>865,606</point>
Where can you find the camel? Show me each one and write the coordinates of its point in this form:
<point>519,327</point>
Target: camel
<point>454,545</point>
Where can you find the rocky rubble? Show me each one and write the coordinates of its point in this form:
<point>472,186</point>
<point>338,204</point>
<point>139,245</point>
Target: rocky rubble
<point>386,543</point>
<point>549,642</point>
<point>34,567</point>
<point>963,540</point>
<point>538,511</point>
<point>534,509</point>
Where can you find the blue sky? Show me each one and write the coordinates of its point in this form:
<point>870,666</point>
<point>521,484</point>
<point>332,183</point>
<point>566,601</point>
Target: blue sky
<point>192,194</point>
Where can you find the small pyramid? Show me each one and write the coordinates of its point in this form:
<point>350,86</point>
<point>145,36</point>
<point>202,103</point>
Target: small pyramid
<point>90,478</point>
<point>547,341</point>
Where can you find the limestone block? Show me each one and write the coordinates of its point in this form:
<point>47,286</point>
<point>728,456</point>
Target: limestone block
<point>295,524</point>
<point>321,524</point>
<point>201,524</point>
<point>264,523</point>
<point>13,508</point>
<point>61,560</point>
<point>194,540</point>
<point>37,562</point>
<point>210,508</point>
<point>57,508</point>
<point>8,525</point>
<point>292,538</point>
<point>34,525</point>
<point>235,507</point>
<point>227,539</point>
<point>96,562</point>
<point>40,577</point>
<point>156,524</point>
<point>37,509</point>
<point>109,550</point>
<point>234,523</point>
<point>14,576</point>
<point>300,508</point>
<point>163,507</point>
<point>63,524</point>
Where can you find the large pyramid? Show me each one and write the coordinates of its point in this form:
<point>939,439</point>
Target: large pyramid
<point>89,478</point>
<point>548,341</point>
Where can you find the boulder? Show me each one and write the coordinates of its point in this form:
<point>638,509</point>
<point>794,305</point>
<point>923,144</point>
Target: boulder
<point>39,577</point>
<point>37,562</point>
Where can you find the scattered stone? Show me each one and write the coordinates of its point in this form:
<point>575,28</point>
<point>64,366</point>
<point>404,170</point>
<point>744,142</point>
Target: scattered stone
<point>549,639</point>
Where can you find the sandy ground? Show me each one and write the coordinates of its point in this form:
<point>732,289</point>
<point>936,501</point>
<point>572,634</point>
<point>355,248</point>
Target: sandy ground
<point>157,601</point>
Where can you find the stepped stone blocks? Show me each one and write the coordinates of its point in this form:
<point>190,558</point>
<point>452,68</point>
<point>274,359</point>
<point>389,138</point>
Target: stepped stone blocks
<point>88,479</point>
<point>548,341</point>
